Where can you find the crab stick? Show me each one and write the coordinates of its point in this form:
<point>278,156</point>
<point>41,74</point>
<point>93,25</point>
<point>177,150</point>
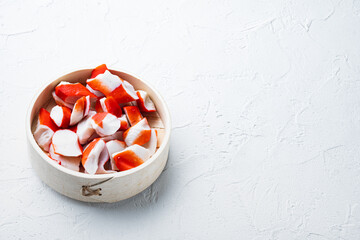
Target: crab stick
<point>61,116</point>
<point>72,163</point>
<point>90,157</point>
<point>133,114</point>
<point>124,93</point>
<point>105,82</point>
<point>84,128</point>
<point>103,159</point>
<point>124,122</point>
<point>99,70</point>
<point>114,146</point>
<point>139,134</point>
<point>105,123</point>
<point>81,109</point>
<point>45,129</point>
<point>152,143</point>
<point>66,143</point>
<point>130,157</point>
<point>60,102</point>
<point>109,105</point>
<point>71,92</point>
<point>144,102</point>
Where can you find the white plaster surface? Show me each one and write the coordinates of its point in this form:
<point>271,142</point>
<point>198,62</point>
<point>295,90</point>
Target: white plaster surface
<point>265,104</point>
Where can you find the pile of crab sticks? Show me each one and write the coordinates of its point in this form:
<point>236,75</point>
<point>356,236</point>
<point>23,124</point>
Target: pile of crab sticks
<point>98,128</point>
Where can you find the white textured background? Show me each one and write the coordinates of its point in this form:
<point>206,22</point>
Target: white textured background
<point>265,100</point>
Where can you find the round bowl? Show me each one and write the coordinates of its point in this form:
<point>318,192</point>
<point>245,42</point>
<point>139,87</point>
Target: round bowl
<point>105,187</point>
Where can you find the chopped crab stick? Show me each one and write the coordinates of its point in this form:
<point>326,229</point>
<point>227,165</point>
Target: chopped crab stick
<point>66,143</point>
<point>105,123</point>
<point>133,114</point>
<point>124,122</point>
<point>103,159</point>
<point>72,163</point>
<point>84,128</point>
<point>60,102</point>
<point>114,146</point>
<point>124,93</point>
<point>105,82</point>
<point>144,102</point>
<point>71,92</point>
<point>44,130</point>
<point>61,116</point>
<point>80,110</point>
<point>95,92</point>
<point>111,85</point>
<point>130,157</point>
<point>90,157</point>
<point>110,105</point>
<point>99,70</point>
<point>139,134</point>
<point>152,143</point>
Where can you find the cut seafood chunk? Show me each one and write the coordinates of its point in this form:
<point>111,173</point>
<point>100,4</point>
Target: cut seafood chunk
<point>133,114</point>
<point>124,122</point>
<point>60,102</point>
<point>71,92</point>
<point>90,157</point>
<point>124,93</point>
<point>61,116</point>
<point>103,159</point>
<point>66,143</point>
<point>110,105</point>
<point>44,130</point>
<point>84,128</point>
<point>152,143</point>
<point>130,157</point>
<point>99,70</point>
<point>114,146</point>
<point>139,134</point>
<point>144,102</point>
<point>72,163</point>
<point>105,82</point>
<point>105,123</point>
<point>80,110</point>
<point>95,92</point>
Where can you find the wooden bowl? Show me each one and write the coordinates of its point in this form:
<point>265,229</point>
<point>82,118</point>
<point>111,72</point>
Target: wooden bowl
<point>105,187</point>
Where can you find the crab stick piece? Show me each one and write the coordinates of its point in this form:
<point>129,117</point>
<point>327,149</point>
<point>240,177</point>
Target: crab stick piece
<point>90,157</point>
<point>103,159</point>
<point>60,102</point>
<point>99,70</point>
<point>105,123</point>
<point>80,110</point>
<point>139,134</point>
<point>95,92</point>
<point>130,157</point>
<point>44,130</point>
<point>105,82</point>
<point>144,102</point>
<point>84,128</point>
<point>110,105</point>
<point>61,116</point>
<point>124,122</point>
<point>152,143</point>
<point>72,163</point>
<point>114,146</point>
<point>71,92</point>
<point>66,143</point>
<point>133,114</point>
<point>124,93</point>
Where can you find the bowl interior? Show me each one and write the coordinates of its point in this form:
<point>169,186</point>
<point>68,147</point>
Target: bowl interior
<point>44,99</point>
